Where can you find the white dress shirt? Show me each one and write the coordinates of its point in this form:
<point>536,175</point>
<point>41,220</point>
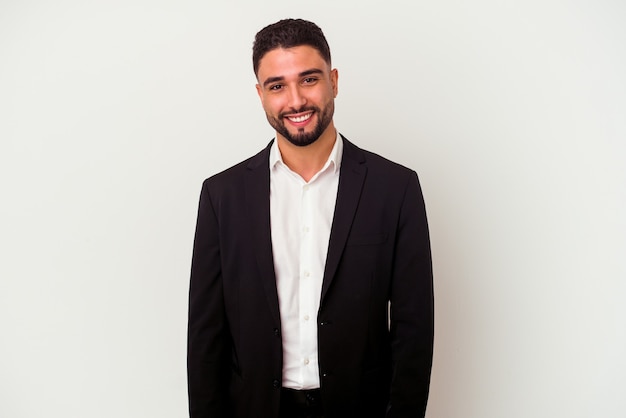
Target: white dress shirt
<point>301,218</point>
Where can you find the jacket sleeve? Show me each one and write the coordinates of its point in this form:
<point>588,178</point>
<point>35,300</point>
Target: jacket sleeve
<point>208,339</point>
<point>412,322</point>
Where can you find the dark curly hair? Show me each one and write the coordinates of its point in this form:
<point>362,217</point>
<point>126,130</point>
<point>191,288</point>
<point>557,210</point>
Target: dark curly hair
<point>288,33</point>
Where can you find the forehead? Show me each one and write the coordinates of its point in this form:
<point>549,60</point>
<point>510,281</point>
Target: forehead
<point>282,62</point>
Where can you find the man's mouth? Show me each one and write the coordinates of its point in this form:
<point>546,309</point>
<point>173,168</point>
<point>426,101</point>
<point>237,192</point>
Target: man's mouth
<point>300,118</point>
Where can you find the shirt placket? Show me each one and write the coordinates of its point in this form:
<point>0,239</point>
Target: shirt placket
<point>306,288</point>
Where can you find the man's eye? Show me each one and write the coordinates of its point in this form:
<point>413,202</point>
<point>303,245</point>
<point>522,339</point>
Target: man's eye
<point>276,87</point>
<point>309,80</point>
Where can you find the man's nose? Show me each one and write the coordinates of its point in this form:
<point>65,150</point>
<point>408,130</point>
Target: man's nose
<point>296,98</point>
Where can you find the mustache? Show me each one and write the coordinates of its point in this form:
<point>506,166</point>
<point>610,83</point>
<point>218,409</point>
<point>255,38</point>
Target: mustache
<point>301,110</point>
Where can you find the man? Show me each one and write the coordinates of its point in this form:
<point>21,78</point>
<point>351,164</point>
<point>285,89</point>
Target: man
<point>298,252</point>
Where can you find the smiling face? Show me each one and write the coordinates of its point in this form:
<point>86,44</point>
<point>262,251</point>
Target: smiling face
<point>297,89</point>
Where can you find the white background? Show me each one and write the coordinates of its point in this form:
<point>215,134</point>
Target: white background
<point>513,113</point>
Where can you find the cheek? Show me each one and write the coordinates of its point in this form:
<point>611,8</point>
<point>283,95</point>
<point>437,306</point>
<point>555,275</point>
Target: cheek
<point>266,105</point>
<point>272,105</point>
<point>329,97</point>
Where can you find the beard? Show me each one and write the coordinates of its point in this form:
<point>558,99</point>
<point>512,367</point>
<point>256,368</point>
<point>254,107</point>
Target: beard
<point>302,138</point>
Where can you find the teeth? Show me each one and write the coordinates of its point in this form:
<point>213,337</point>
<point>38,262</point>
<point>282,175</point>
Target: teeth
<point>301,118</point>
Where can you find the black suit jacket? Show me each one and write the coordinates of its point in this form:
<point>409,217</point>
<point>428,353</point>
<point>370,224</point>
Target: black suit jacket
<point>378,252</point>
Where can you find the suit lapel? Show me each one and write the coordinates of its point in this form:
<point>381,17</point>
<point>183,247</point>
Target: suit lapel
<point>258,202</point>
<point>351,179</point>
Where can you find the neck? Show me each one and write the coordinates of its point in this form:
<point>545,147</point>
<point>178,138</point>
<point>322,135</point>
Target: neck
<point>307,161</point>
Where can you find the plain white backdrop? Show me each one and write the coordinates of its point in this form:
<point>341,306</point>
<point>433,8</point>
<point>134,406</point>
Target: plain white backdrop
<point>513,113</point>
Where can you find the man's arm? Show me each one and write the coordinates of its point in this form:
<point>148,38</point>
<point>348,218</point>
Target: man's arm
<point>208,343</point>
<point>412,324</point>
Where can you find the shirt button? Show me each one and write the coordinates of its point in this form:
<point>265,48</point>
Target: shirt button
<point>305,187</point>
<point>307,274</point>
<point>306,317</point>
<point>306,361</point>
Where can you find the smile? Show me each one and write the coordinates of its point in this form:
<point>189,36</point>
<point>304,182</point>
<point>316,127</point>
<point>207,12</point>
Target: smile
<point>300,119</point>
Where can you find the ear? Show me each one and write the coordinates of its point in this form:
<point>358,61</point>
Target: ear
<point>334,78</point>
<point>259,91</point>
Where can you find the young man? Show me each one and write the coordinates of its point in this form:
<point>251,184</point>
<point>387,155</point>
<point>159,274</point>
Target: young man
<point>298,252</point>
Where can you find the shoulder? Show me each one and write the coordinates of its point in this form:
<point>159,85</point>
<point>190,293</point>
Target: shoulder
<point>375,163</point>
<point>233,176</point>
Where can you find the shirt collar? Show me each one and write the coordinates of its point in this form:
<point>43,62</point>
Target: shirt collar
<point>334,158</point>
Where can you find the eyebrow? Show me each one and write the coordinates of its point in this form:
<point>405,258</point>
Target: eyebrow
<point>312,71</point>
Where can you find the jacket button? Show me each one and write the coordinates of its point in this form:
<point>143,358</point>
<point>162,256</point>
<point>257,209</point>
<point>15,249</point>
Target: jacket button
<point>276,383</point>
<point>276,332</point>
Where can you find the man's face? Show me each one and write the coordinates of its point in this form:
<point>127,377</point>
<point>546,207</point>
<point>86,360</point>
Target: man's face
<point>297,89</point>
